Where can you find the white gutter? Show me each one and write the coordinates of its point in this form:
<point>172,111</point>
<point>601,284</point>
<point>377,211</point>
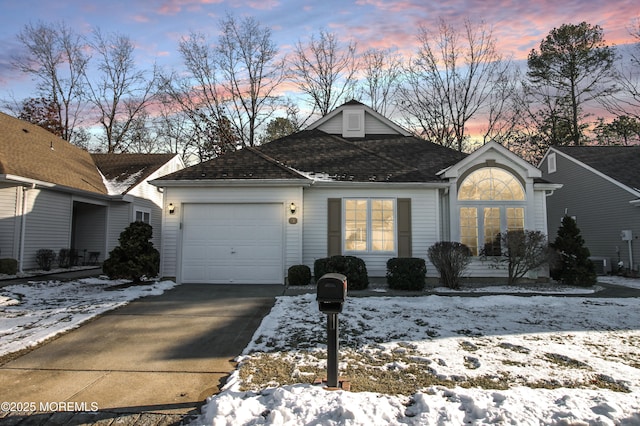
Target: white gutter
<point>230,182</point>
<point>53,186</point>
<point>23,225</point>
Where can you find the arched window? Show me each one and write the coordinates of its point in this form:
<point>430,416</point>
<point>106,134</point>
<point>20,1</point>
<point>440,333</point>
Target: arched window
<point>491,184</point>
<point>491,201</point>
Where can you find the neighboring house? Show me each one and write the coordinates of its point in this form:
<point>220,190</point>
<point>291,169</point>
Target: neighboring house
<point>601,191</point>
<point>54,196</point>
<point>352,183</point>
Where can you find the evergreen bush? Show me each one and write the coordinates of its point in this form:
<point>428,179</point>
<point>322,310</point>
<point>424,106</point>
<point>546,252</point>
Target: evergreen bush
<point>406,273</point>
<point>450,259</point>
<point>135,257</point>
<point>571,264</point>
<point>352,267</point>
<point>8,266</point>
<point>299,275</point>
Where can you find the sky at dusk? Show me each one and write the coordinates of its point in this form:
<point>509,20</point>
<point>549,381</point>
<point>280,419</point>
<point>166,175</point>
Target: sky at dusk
<point>157,26</point>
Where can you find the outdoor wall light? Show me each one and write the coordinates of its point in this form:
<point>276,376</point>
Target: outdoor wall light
<point>172,208</point>
<point>293,208</point>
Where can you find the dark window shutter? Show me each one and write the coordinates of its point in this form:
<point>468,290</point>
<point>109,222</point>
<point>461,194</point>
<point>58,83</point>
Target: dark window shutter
<point>334,227</point>
<point>404,227</point>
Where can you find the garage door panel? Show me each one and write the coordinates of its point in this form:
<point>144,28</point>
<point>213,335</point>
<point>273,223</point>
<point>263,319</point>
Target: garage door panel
<point>232,243</point>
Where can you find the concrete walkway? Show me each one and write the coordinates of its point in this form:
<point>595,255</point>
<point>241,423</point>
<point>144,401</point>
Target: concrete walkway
<point>154,361</point>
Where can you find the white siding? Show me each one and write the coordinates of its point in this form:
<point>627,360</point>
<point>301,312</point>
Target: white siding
<point>372,126</point>
<point>172,233</point>
<point>48,216</point>
<point>424,215</point>
<point>118,219</point>
<point>9,224</point>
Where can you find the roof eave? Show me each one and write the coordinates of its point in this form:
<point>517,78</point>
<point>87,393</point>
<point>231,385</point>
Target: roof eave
<point>161,183</point>
<point>34,183</point>
<point>378,185</point>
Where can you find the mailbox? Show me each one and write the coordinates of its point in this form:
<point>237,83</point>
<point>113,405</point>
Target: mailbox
<point>332,292</point>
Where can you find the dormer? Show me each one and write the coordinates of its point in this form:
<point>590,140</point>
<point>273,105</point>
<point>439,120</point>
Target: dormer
<point>356,120</point>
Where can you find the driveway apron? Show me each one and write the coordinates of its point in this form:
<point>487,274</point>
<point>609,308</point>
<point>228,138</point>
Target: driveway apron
<point>160,354</point>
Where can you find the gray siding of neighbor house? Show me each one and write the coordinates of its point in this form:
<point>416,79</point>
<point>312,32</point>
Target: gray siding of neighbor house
<point>9,225</point>
<point>601,209</point>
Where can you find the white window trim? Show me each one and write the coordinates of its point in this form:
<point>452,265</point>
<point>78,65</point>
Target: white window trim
<point>369,251</point>
<point>143,210</point>
<point>551,163</point>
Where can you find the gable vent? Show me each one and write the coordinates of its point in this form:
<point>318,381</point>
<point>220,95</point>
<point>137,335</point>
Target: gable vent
<point>353,124</point>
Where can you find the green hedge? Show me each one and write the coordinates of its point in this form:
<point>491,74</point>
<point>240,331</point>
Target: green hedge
<point>8,266</point>
<point>299,275</point>
<point>352,267</point>
<point>406,273</point>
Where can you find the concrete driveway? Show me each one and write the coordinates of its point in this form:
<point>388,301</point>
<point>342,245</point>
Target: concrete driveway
<point>162,354</point>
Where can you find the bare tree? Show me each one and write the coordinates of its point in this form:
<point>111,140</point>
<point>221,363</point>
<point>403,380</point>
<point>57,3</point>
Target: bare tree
<point>121,92</point>
<point>451,80</point>
<point>325,70</point>
<point>626,102</point>
<point>251,70</point>
<point>193,100</point>
<point>55,56</point>
<point>382,69</point>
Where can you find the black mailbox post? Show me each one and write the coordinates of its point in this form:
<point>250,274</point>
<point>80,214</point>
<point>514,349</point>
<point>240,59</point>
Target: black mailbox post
<point>331,294</point>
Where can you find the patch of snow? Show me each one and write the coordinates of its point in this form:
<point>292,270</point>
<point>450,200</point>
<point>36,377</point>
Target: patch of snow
<point>119,187</point>
<point>317,177</point>
<point>525,338</point>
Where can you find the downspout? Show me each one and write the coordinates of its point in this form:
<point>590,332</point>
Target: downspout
<point>23,224</point>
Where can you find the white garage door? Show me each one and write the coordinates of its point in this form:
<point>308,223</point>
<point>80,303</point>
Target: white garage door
<point>232,243</point>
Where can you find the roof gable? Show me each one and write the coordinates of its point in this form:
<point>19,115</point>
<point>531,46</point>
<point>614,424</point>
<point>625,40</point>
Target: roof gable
<point>123,172</point>
<point>30,152</point>
<point>356,120</point>
<point>492,151</point>
<point>619,163</point>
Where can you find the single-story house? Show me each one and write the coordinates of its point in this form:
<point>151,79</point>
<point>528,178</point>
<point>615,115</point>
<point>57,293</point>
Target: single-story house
<point>351,183</point>
<point>601,190</point>
<point>54,195</point>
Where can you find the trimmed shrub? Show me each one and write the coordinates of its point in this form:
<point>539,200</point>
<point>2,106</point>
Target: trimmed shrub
<point>44,258</point>
<point>8,266</point>
<point>406,273</point>
<point>135,257</point>
<point>352,267</point>
<point>450,258</point>
<point>299,275</point>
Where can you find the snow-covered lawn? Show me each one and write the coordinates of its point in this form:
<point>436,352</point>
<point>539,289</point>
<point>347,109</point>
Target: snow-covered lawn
<point>442,360</point>
<point>411,360</point>
<point>31,313</point>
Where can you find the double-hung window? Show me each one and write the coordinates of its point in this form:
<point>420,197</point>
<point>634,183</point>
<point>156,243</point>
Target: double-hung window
<point>370,225</point>
<point>142,215</point>
<point>492,200</point>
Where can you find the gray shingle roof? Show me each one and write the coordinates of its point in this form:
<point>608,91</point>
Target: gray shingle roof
<point>129,168</point>
<point>314,153</point>
<point>621,163</point>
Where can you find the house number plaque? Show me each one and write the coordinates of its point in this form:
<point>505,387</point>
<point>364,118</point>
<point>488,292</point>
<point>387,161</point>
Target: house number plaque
<point>293,220</point>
